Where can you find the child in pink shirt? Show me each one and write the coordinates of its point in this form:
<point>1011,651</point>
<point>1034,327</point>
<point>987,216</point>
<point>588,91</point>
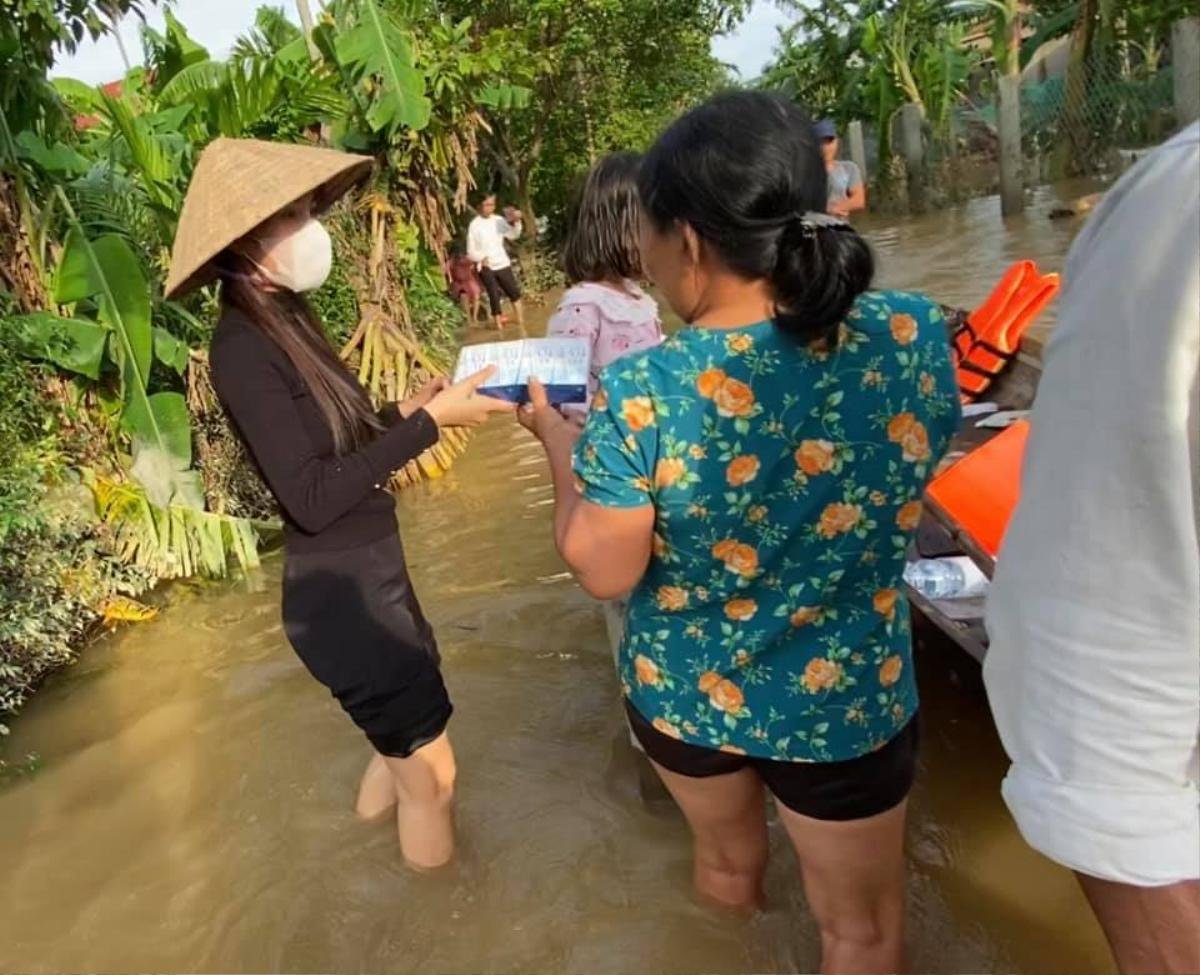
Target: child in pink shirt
<point>605,304</point>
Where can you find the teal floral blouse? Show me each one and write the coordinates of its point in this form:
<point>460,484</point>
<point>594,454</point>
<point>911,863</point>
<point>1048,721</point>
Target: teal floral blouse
<point>786,482</point>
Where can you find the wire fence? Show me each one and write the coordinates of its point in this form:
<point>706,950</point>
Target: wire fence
<point>1076,124</point>
<point>1084,121</point>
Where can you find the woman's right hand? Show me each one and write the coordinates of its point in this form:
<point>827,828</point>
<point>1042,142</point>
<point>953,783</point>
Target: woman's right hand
<point>460,405</point>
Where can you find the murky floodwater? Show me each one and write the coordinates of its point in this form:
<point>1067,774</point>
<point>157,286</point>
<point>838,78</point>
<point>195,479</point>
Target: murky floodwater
<point>192,808</point>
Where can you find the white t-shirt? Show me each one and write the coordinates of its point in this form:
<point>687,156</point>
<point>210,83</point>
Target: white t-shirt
<point>1094,616</point>
<point>485,240</point>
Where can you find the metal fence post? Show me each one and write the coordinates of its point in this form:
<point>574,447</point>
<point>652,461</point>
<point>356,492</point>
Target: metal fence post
<point>1008,119</point>
<point>1185,56</point>
<point>912,148</point>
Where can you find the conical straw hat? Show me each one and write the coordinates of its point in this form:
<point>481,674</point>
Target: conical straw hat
<point>239,183</point>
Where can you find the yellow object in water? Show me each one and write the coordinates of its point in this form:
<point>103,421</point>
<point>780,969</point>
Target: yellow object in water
<point>122,609</point>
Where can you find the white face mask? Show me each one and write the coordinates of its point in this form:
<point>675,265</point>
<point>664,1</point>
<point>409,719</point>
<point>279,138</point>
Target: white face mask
<point>301,260</point>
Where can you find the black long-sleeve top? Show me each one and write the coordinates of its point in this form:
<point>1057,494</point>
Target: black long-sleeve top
<point>328,501</point>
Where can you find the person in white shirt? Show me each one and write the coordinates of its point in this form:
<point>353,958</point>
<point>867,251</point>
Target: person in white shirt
<point>1093,673</point>
<point>485,247</point>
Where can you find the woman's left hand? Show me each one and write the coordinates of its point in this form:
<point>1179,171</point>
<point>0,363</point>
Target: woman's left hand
<point>544,421</point>
<point>420,399</point>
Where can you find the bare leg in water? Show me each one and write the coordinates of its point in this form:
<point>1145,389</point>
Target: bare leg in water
<point>1151,930</point>
<point>421,789</point>
<point>853,871</point>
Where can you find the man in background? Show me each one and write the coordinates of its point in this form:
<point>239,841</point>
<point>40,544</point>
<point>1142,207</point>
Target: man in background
<point>847,191</point>
<point>485,247</point>
<point>1093,673</point>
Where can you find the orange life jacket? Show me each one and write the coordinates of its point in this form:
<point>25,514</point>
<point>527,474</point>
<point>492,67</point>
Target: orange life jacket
<point>981,491</point>
<point>988,340</point>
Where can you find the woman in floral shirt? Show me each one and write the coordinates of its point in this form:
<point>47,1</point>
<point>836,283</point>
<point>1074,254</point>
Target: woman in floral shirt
<point>758,476</point>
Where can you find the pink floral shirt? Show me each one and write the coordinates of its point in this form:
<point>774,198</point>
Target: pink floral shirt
<point>615,322</point>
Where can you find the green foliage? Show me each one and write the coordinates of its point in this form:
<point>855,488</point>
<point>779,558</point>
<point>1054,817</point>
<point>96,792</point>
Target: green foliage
<point>865,60</point>
<point>376,54</point>
<point>55,568</point>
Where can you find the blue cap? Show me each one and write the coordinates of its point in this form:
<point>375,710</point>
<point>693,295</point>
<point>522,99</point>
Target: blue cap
<point>825,129</point>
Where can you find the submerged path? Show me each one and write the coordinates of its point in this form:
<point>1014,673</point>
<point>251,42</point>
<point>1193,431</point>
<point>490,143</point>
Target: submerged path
<point>191,811</point>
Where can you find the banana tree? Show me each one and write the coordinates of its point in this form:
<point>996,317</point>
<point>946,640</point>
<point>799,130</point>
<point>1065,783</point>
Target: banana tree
<point>110,333</point>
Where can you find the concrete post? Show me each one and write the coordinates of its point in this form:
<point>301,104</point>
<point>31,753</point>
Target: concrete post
<point>1008,118</point>
<point>858,147</point>
<point>1185,57</point>
<point>912,148</point>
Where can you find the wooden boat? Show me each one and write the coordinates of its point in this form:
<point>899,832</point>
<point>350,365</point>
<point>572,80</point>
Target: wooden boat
<point>961,620</point>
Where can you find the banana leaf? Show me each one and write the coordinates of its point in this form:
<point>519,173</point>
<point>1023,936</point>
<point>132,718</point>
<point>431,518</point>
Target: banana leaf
<point>377,48</point>
<point>108,272</point>
<point>74,344</point>
<point>169,350</point>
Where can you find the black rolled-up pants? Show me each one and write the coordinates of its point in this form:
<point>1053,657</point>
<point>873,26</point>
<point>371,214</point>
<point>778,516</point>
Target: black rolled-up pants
<point>494,282</point>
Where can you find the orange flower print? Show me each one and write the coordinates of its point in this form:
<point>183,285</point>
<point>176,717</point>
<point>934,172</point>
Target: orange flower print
<point>641,484</point>
<point>872,377</point>
<point>664,727</point>
<point>820,675</point>
<point>907,431</point>
<point>647,671</point>
<point>739,343</point>
<point>928,384</point>
<point>600,400</point>
<point>707,681</point>
<point>671,599</point>
<point>814,457</point>
<point>805,615</point>
<point>659,546</point>
<point>741,609</point>
<point>638,412</point>
<point>885,603</point>
<point>738,558</point>
<point>904,329</point>
<point>726,696</point>
<point>889,670</point>
<point>696,452</point>
<point>732,750</point>
<point>878,498</point>
<point>734,398</point>
<point>742,470</point>
<point>668,471</point>
<point>838,518</point>
<point>909,516</point>
<point>709,381</point>
<point>757,513</point>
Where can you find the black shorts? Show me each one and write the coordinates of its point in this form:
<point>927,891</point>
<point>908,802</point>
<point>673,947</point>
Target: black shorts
<point>354,621</point>
<point>496,281</point>
<point>853,789</point>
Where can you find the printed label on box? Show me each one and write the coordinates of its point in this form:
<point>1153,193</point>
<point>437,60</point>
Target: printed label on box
<point>560,363</point>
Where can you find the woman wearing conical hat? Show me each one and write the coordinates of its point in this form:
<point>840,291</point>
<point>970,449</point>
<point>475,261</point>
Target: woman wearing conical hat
<point>349,610</point>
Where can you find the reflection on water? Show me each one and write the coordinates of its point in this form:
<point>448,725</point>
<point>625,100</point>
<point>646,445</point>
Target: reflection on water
<point>193,812</point>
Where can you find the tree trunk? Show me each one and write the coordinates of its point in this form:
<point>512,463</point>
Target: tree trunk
<point>528,242</point>
<point>18,268</point>
<point>306,23</point>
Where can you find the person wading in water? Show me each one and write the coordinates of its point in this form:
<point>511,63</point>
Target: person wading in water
<point>847,192</point>
<point>485,247</point>
<point>756,480</point>
<point>349,610</point>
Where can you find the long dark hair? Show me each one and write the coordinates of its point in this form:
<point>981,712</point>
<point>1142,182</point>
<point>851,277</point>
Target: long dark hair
<point>289,321</point>
<point>602,240</point>
<point>743,169</point>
